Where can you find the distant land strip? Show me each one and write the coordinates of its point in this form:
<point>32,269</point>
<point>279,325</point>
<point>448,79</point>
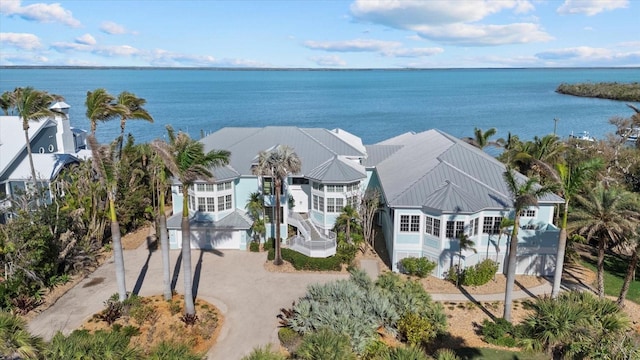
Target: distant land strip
<point>603,90</point>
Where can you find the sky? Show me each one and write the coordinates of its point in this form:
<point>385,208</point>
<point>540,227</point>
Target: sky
<point>321,34</point>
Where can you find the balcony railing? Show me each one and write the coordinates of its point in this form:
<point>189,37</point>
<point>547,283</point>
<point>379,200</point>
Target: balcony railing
<point>310,241</point>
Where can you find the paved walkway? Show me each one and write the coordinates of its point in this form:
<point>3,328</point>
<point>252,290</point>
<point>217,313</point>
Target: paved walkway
<point>235,281</point>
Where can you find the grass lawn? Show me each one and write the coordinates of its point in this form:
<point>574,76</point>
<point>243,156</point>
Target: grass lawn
<point>493,354</point>
<point>615,269</point>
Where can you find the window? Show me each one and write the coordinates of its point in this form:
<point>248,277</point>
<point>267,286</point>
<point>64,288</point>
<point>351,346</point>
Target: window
<point>491,225</point>
<point>353,187</point>
<point>528,213</point>
<point>224,186</point>
<point>267,186</point>
<point>192,202</point>
<point>200,187</point>
<point>321,203</point>
<point>409,223</point>
<point>208,187</point>
<point>179,189</point>
<point>335,188</point>
<point>211,204</point>
<point>315,202</point>
<point>475,224</point>
<point>454,229</point>
<point>318,186</point>
<point>201,204</point>
<point>432,226</point>
<point>220,203</point>
<point>227,202</point>
<point>270,215</point>
<point>352,201</point>
<point>299,181</point>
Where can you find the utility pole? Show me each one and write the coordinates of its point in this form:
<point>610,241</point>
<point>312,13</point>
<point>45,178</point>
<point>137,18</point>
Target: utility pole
<point>555,125</point>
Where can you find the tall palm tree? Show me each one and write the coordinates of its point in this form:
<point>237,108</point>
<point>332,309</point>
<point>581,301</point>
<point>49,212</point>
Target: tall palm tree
<point>633,242</point>
<point>570,179</point>
<point>185,159</point>
<point>607,215</point>
<point>277,164</point>
<point>525,193</point>
<point>505,224</point>
<point>32,105</point>
<point>131,107</point>
<point>105,164</point>
<point>100,107</point>
<point>480,139</point>
<point>255,207</point>
<point>464,244</point>
<point>6,102</point>
<point>348,215</point>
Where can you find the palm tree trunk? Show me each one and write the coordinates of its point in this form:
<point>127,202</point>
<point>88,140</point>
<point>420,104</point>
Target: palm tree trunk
<point>349,230</point>
<point>562,245</point>
<point>33,168</point>
<point>511,268</point>
<point>629,276</point>
<point>278,258</point>
<point>117,251</point>
<point>189,306</point>
<point>164,244</point>
<point>601,268</point>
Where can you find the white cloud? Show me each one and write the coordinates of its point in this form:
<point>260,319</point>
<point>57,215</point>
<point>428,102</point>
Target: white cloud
<point>588,56</point>
<point>22,41</point>
<point>9,59</point>
<point>64,47</point>
<point>591,7</point>
<point>328,60</point>
<point>39,12</point>
<point>112,28</point>
<point>574,52</point>
<point>86,39</point>
<point>356,45</point>
<point>116,50</point>
<point>412,52</point>
<point>453,22</point>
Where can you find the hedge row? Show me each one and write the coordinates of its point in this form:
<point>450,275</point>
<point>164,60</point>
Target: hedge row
<point>303,262</point>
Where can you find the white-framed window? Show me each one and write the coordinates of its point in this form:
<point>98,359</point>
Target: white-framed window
<point>530,213</point>
<point>331,205</point>
<point>211,204</point>
<point>270,215</point>
<point>223,186</point>
<point>353,187</point>
<point>208,187</point>
<point>352,201</point>
<point>220,203</point>
<point>475,224</point>
<point>335,188</point>
<point>200,187</point>
<point>202,205</point>
<point>409,223</point>
<point>432,226</point>
<point>315,202</point>
<point>227,202</point>
<point>192,202</point>
<point>180,188</point>
<point>491,225</point>
<point>454,229</point>
<point>321,203</point>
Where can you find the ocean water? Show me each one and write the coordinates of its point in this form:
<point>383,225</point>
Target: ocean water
<point>373,104</point>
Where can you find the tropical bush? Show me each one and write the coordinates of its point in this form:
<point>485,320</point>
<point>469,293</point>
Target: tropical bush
<point>359,308</point>
<point>15,341</point>
<point>416,329</point>
<point>499,332</point>
<point>479,274</point>
<point>172,351</point>
<point>289,339</point>
<point>303,262</point>
<point>107,345</point>
<point>446,354</point>
<point>420,267</point>
<point>325,344</point>
<point>264,353</point>
<point>254,246</point>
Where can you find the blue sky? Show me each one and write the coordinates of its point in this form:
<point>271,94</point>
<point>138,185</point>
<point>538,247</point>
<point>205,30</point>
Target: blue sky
<point>321,34</point>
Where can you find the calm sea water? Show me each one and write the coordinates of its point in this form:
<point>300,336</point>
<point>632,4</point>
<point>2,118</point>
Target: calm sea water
<point>374,105</point>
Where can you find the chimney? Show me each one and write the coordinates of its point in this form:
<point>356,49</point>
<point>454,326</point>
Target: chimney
<point>64,136</point>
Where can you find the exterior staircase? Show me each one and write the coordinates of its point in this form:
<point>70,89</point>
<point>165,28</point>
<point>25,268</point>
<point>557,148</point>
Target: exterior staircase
<point>310,240</point>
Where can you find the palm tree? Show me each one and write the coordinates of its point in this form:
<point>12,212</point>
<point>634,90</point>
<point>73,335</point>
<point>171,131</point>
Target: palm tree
<point>100,107</point>
<point>277,164</point>
<point>185,159</point>
<point>607,215</point>
<point>525,193</point>
<point>505,224</point>
<point>106,165</point>
<point>160,178</point>
<point>481,139</point>
<point>131,107</point>
<point>6,102</point>
<point>32,105</point>
<point>570,179</point>
<point>464,244</point>
<point>255,207</point>
<point>348,215</point>
<point>633,243</point>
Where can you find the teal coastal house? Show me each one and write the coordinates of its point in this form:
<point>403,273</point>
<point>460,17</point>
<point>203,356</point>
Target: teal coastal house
<point>433,187</point>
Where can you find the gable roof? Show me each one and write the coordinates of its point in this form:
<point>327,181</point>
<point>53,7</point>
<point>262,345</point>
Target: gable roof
<point>314,146</point>
<point>47,166</point>
<point>436,170</point>
<point>336,170</point>
<point>12,142</point>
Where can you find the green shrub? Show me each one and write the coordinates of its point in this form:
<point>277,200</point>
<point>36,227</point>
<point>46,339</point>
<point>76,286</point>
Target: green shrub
<point>254,246</point>
<point>269,244</point>
<point>264,353</point>
<point>479,274</point>
<point>346,252</point>
<point>416,329</point>
<point>271,254</point>
<point>289,339</point>
<point>447,354</point>
<point>376,350</point>
<point>325,345</point>
<point>420,267</point>
<point>501,332</point>
<point>107,345</point>
<point>406,353</point>
<point>303,262</point>
<point>172,351</point>
<point>142,313</point>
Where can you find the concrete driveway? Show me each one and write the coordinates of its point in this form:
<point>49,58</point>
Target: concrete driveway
<point>235,281</point>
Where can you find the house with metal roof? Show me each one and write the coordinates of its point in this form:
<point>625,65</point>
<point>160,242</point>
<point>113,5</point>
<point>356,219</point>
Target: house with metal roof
<point>54,144</point>
<point>331,177</point>
<point>433,188</point>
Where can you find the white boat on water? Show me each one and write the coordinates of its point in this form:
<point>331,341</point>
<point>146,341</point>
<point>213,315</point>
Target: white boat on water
<point>631,134</point>
<point>584,137</point>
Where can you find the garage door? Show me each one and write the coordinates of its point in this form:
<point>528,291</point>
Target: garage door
<point>211,239</point>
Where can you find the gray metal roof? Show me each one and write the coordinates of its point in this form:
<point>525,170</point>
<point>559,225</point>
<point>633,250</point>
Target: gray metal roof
<point>436,170</point>
<point>377,153</point>
<point>224,173</point>
<point>313,146</point>
<point>47,166</point>
<point>237,220</point>
<point>12,142</point>
<point>336,170</point>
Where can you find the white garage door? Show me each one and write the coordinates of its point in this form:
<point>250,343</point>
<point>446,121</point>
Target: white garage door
<point>210,239</point>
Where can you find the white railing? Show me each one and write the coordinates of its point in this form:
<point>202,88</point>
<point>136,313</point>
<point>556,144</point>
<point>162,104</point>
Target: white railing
<point>310,240</point>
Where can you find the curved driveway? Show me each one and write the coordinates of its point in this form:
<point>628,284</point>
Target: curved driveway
<point>236,282</point>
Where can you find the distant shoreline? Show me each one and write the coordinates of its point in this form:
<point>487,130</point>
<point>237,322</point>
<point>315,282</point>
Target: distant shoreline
<point>604,90</point>
<point>9,67</point>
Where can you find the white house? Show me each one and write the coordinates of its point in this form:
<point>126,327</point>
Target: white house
<point>433,187</point>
